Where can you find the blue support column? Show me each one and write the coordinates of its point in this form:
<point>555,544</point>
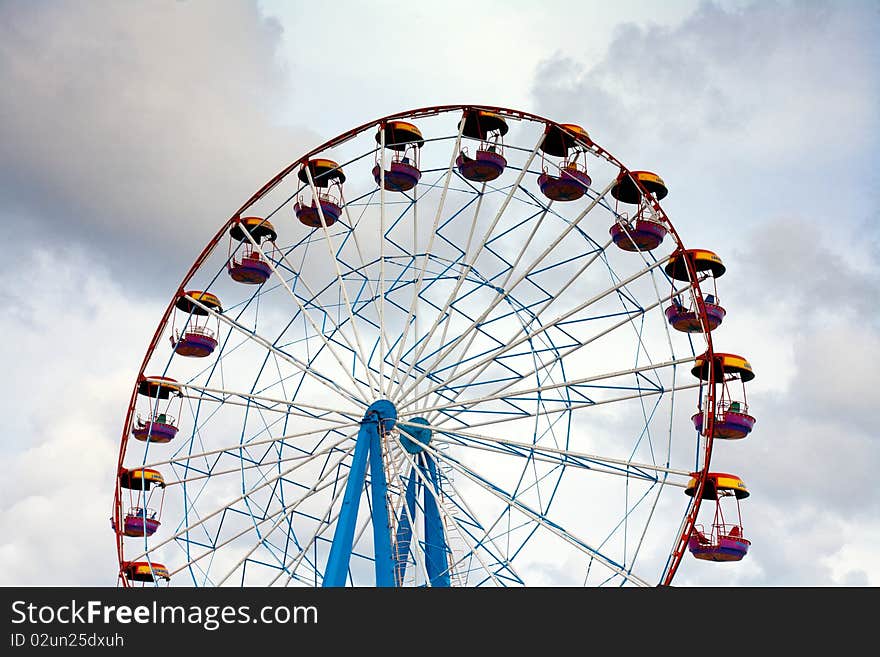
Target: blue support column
<point>404,530</point>
<point>436,550</point>
<point>381,528</point>
<point>340,551</point>
<point>379,419</point>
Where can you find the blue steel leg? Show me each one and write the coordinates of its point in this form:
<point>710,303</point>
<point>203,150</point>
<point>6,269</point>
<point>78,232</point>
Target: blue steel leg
<point>340,551</point>
<point>404,530</point>
<point>436,549</point>
<point>381,528</point>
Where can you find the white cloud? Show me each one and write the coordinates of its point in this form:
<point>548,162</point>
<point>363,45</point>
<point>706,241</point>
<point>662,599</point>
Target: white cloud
<point>144,125</point>
<point>757,117</point>
<point>71,352</point>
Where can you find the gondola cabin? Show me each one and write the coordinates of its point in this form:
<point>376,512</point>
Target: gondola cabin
<point>405,141</point>
<point>196,339</point>
<point>245,264</point>
<point>629,184</point>
<point>156,427</point>
<point>569,180</point>
<point>570,185</point>
<point>145,571</point>
<point>639,234</point>
<point>324,179</point>
<point>155,423</point>
<point>142,518</point>
<point>688,318</point>
<point>140,521</point>
<point>731,418</point>
<point>722,541</point>
<point>644,230</point>
<point>488,162</point>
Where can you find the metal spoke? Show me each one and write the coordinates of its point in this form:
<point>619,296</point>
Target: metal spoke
<point>332,253</point>
<point>326,381</point>
<point>467,269</point>
<point>554,386</point>
<point>244,495</point>
<point>417,287</point>
<point>566,457</point>
<point>540,330</point>
<point>581,344</point>
<point>553,528</point>
<point>306,315</point>
<point>505,290</point>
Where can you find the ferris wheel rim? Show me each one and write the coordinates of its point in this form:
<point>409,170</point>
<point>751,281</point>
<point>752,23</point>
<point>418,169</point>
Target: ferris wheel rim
<point>690,517</point>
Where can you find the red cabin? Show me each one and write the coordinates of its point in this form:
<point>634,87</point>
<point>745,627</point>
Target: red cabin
<point>405,141</point>
<point>644,230</point>
<point>568,142</point>
<point>245,264</point>
<point>141,519</point>
<point>732,420</point>
<point>722,541</point>
<point>488,162</point>
<point>708,266</point>
<point>196,339</point>
<point>324,178</point>
<point>155,423</point>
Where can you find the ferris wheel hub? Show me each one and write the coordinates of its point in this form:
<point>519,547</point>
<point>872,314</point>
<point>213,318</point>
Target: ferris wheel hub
<point>421,436</point>
<point>383,412</point>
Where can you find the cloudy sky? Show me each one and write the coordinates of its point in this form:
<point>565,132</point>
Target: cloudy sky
<point>131,130</point>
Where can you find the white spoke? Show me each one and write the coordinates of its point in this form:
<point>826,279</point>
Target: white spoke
<point>255,443</point>
<point>331,249</point>
<point>553,386</point>
<point>417,355</point>
<point>261,398</point>
<point>567,408</point>
<point>286,512</point>
<point>291,566</point>
<point>253,527</point>
<point>238,469</point>
<point>474,330</point>
<point>566,454</point>
<point>460,279</point>
<point>538,331</point>
<point>571,539</point>
<point>308,316</point>
<point>245,494</point>
<point>462,500</point>
<point>305,368</point>
<point>354,236</point>
<point>417,287</point>
<point>505,290</point>
<point>560,357</point>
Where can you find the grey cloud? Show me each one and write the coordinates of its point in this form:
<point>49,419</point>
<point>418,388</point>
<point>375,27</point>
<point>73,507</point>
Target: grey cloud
<point>745,75</point>
<point>786,265</point>
<point>137,128</point>
<point>762,121</point>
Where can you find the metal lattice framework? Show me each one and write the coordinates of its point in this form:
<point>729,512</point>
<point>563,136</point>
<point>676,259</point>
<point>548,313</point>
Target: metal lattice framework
<point>460,384</point>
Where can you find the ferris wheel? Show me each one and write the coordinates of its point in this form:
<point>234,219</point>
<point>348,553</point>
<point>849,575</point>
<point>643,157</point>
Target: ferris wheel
<point>456,346</point>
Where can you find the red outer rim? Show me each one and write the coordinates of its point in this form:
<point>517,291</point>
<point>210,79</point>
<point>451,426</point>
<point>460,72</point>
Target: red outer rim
<point>694,507</point>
